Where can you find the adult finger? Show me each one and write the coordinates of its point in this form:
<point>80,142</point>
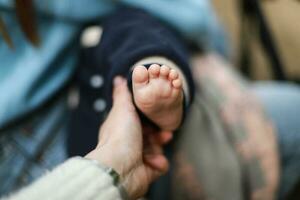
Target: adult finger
<point>158,164</point>
<point>151,145</point>
<point>153,154</point>
<point>164,137</point>
<point>161,137</point>
<point>121,94</point>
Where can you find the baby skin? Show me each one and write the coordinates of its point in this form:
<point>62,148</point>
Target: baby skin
<point>157,92</point>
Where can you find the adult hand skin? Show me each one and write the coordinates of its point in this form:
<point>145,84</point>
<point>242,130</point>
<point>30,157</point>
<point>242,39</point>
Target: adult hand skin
<point>135,152</point>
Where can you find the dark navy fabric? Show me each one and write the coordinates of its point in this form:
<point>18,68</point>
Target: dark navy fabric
<point>129,35</point>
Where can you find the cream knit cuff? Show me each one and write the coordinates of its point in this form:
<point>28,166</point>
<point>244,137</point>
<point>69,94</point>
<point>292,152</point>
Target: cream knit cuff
<point>77,179</point>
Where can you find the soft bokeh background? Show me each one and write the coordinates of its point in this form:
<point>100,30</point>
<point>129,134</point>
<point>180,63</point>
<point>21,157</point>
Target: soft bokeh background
<point>283,19</point>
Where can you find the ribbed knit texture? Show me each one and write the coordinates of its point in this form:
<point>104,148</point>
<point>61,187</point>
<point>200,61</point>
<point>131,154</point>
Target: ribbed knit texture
<point>76,179</point>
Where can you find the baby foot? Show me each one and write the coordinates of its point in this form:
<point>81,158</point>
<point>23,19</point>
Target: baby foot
<point>158,94</point>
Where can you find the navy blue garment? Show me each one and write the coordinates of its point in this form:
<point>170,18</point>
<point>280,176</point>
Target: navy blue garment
<point>129,35</point>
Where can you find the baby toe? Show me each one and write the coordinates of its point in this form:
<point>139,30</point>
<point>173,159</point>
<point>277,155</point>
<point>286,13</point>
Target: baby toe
<point>177,83</point>
<point>154,71</point>
<point>173,74</point>
<point>164,71</point>
<point>140,74</point>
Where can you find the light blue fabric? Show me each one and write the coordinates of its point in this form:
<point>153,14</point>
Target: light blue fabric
<point>29,76</point>
<point>37,145</point>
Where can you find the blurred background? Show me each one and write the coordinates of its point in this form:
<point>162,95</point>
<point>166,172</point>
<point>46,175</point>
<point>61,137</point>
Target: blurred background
<point>269,31</point>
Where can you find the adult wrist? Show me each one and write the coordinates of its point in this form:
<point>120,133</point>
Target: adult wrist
<point>116,178</point>
<point>98,155</point>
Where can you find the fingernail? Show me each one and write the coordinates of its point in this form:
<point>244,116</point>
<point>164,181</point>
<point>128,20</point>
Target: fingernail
<point>117,81</point>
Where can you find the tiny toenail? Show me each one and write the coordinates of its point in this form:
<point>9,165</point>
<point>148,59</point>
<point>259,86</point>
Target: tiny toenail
<point>173,74</point>
<point>164,70</point>
<point>154,65</point>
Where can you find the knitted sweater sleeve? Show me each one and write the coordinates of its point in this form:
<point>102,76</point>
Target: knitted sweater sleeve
<point>76,179</point>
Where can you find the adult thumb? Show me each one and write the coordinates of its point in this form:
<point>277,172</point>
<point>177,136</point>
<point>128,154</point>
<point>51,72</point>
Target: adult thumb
<point>121,94</point>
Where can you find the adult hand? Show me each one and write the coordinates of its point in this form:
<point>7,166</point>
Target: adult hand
<point>136,156</point>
